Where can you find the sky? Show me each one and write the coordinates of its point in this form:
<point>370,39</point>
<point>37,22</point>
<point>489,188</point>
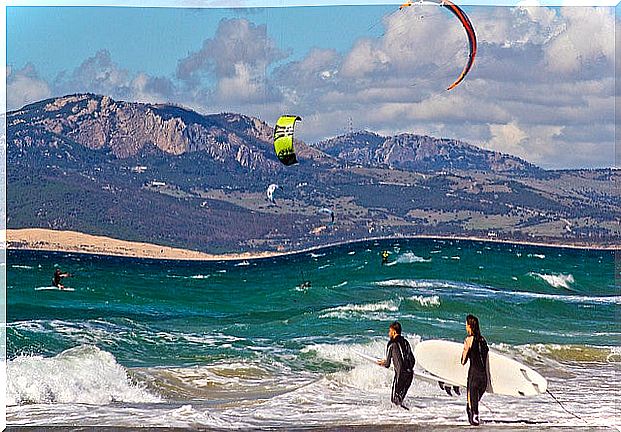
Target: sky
<point>541,88</point>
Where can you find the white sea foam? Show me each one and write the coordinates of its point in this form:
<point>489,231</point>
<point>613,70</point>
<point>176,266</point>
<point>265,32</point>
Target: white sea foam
<point>409,258</point>
<point>95,332</point>
<point>84,374</point>
<point>365,375</point>
<point>615,355</point>
<point>357,392</point>
<point>388,305</point>
<point>555,280</point>
<point>478,291</point>
<point>200,276</point>
<point>426,301</point>
<point>540,256</point>
<point>416,283</point>
<point>26,267</point>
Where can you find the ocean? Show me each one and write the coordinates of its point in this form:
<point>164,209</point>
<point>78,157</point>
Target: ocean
<point>246,345</point>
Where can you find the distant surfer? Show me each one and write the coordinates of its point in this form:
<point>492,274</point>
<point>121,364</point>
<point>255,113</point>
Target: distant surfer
<point>385,257</point>
<point>399,352</point>
<point>58,276</point>
<point>475,350</point>
<point>306,283</point>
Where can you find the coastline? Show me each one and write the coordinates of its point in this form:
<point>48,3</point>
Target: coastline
<point>41,239</point>
<point>76,242</point>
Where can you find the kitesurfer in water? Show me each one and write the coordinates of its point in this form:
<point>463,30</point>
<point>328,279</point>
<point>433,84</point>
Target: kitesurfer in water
<point>306,283</point>
<point>475,351</point>
<point>385,257</point>
<point>58,276</point>
<point>399,353</point>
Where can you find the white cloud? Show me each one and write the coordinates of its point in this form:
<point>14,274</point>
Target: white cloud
<point>97,74</point>
<point>365,58</point>
<point>24,86</point>
<point>235,62</point>
<point>587,39</point>
<point>147,89</point>
<point>241,86</point>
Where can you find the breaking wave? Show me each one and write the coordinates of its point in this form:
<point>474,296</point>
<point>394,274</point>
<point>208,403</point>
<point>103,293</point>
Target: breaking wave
<point>84,374</point>
<point>555,280</point>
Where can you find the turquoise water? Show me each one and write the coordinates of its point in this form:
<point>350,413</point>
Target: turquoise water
<point>187,343</point>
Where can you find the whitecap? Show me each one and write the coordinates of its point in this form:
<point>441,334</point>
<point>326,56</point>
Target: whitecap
<point>555,280</point>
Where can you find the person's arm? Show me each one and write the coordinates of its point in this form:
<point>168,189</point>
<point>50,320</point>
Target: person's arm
<point>467,345</point>
<point>386,362</point>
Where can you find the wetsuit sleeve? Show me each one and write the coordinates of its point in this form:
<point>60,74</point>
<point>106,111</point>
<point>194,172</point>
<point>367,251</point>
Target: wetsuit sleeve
<point>389,351</point>
<point>397,358</point>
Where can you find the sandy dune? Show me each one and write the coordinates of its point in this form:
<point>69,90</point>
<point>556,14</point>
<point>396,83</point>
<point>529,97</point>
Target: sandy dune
<point>72,241</point>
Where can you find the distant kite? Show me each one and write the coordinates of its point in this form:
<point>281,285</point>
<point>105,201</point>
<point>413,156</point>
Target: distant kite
<point>328,212</point>
<point>270,192</point>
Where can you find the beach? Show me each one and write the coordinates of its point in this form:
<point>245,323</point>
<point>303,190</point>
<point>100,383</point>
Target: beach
<point>76,242</point>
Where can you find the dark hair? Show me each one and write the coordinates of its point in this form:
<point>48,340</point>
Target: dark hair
<point>473,322</point>
<point>396,326</point>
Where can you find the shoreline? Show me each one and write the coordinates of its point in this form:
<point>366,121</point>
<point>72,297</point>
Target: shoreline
<point>39,239</point>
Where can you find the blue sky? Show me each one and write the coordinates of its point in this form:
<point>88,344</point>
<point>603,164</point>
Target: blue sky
<point>542,86</point>
<point>152,39</point>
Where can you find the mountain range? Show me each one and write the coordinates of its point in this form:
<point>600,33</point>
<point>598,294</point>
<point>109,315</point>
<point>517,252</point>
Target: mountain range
<point>168,175</point>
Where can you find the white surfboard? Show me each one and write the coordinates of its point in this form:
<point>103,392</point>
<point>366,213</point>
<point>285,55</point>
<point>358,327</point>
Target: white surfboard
<point>423,375</point>
<point>53,288</point>
<point>506,376</point>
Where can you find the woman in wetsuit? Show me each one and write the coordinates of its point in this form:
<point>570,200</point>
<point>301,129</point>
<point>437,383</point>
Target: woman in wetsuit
<point>475,350</point>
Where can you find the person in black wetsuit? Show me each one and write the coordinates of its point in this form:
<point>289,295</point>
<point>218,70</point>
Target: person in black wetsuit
<point>475,351</point>
<point>58,275</point>
<point>399,352</point>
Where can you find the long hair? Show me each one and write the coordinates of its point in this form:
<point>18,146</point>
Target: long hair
<point>473,322</point>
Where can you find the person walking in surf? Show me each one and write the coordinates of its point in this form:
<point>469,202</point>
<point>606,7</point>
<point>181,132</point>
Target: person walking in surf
<point>399,353</point>
<point>475,351</point>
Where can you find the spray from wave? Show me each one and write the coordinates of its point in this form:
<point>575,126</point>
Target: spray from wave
<point>409,258</point>
<point>356,309</point>
<point>555,280</point>
<point>426,301</point>
<point>84,374</point>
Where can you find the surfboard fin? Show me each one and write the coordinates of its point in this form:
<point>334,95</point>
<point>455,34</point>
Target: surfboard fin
<point>456,390</point>
<point>446,388</point>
